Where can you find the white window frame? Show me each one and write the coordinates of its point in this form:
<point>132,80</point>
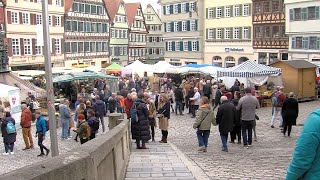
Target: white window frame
<point>177,45</point>
<point>185,45</point>
<point>245,10</point>
<point>39,1</point>
<point>192,6</point>
<point>194,45</point>
<point>58,2</point>
<point>184,25</point>
<point>125,51</point>
<point>183,7</point>
<point>39,49</point>
<point>169,27</point>
<point>58,21</point>
<point>176,26</point>
<point>210,33</point>
<point>210,13</point>
<point>27,46</point>
<point>193,25</point>
<point>15,44</point>
<point>125,32</point>
<point>236,32</point>
<point>227,12</point>
<point>161,51</point>
<point>26,18</point>
<point>219,12</point>
<point>57,46</point>
<point>175,9</point>
<point>50,20</point>
<point>226,33</point>
<point>112,33</point>
<point>15,18</point>
<point>167,9</point>
<point>38,18</point>
<point>219,33</point>
<point>169,46</point>
<point>246,33</point>
<point>236,10</point>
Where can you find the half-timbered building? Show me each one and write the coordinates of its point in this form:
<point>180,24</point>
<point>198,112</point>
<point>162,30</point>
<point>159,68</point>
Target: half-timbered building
<point>137,32</point>
<point>86,32</point>
<point>270,41</point>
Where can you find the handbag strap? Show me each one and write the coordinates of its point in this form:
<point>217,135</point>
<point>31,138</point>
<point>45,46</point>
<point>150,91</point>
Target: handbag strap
<point>204,118</point>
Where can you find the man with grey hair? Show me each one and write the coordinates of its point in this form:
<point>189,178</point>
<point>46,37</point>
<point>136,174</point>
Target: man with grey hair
<point>248,105</point>
<point>26,120</point>
<point>195,101</point>
<point>65,116</point>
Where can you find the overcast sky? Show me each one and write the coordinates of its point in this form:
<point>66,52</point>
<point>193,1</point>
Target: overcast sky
<point>145,3</point>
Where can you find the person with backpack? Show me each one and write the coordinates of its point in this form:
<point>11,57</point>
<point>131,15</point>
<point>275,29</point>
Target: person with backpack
<point>9,133</point>
<point>277,101</point>
<point>41,126</point>
<point>93,122</point>
<point>83,129</point>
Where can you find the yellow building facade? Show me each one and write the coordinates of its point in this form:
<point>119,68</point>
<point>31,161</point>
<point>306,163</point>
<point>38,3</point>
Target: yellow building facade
<point>228,32</point>
<point>24,32</point>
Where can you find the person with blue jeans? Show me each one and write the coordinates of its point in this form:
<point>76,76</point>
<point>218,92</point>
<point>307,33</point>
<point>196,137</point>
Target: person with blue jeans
<point>226,118</point>
<point>8,138</point>
<point>65,116</point>
<point>204,119</point>
<point>41,132</point>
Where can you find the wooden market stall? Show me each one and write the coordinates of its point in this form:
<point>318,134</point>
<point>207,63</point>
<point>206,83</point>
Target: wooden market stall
<point>299,76</point>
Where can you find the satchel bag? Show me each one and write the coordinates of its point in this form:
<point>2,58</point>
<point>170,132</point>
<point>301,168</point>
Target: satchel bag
<point>203,119</point>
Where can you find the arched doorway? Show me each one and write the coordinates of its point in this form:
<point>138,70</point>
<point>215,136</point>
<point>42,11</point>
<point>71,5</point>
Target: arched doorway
<point>230,61</point>
<point>217,61</point>
<point>242,59</point>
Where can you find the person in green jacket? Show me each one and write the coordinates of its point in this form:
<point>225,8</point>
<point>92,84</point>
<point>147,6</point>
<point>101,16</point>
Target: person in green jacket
<point>305,163</point>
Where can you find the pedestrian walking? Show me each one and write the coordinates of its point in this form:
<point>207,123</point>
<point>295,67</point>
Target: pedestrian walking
<point>226,117</point>
<point>93,122</point>
<point>204,119</point>
<point>207,89</point>
<point>128,104</point>
<point>41,130</point>
<point>112,103</point>
<point>178,96</point>
<point>152,117</point>
<point>290,111</point>
<point>277,101</point>
<point>26,120</point>
<point>164,116</point>
<point>305,162</point>
<point>195,102</point>
<point>218,95</point>
<point>99,108</point>
<point>82,128</point>
<point>65,117</point>
<point>248,105</point>
<point>236,131</point>
<point>9,134</point>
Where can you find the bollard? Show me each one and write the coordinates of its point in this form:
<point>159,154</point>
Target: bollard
<point>113,119</point>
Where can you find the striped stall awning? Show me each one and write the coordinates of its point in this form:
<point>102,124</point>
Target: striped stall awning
<point>248,69</point>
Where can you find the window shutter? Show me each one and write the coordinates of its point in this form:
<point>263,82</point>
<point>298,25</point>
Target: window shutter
<point>222,12</point>
<point>173,46</point>
<point>291,15</point>
<point>49,1</point>
<point>62,46</point>
<point>31,19</point>
<point>304,13</point>
<point>62,21</point>
<point>62,3</point>
<point>207,11</point>
<point>165,27</point>
<point>53,21</point>
<point>240,32</point>
<point>164,10</point>
<point>20,17</point>
<point>240,10</point>
<point>293,43</point>
<point>172,26</point>
<point>249,28</point>
<point>188,25</point>
<point>196,24</point>
<point>214,13</point>
<point>318,42</point>
<point>231,33</point>
<point>9,17</point>
<point>197,45</point>
<point>189,46</point>
<point>171,9</point>
<point>222,33</point>
<point>187,7</point>
<point>180,25</point>
<point>214,33</point>
<point>231,11</point>
<point>317,12</point>
<point>207,31</point>
<point>179,8</point>
<point>181,45</point>
<point>21,47</point>
<point>53,46</point>
<point>166,46</point>
<point>250,10</point>
<point>33,46</point>
<point>9,41</point>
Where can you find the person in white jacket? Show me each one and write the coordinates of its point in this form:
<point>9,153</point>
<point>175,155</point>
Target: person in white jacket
<point>195,101</point>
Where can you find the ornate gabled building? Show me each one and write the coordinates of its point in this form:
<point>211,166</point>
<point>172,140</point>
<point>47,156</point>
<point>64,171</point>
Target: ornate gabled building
<point>86,35</point>
<point>137,32</point>
<point>270,42</point>
<point>119,39</point>
<point>154,39</point>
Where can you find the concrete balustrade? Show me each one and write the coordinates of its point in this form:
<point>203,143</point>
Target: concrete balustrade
<point>103,158</point>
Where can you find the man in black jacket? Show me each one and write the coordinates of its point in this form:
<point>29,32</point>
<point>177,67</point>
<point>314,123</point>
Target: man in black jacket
<point>178,95</point>
<point>207,89</point>
<point>218,96</point>
<point>99,108</point>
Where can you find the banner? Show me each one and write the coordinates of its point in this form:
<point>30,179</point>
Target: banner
<point>15,104</point>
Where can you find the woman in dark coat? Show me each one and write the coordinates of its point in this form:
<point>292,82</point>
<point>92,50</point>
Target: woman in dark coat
<point>236,131</point>
<point>290,111</point>
<point>164,116</point>
<point>8,139</point>
<point>140,130</point>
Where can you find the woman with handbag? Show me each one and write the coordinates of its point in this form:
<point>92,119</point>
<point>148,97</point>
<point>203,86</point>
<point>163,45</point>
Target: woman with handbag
<point>164,116</point>
<point>204,119</point>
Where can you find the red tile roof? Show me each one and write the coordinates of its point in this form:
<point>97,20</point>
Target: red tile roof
<point>4,2</point>
<point>131,9</point>
<point>67,6</point>
<point>112,7</point>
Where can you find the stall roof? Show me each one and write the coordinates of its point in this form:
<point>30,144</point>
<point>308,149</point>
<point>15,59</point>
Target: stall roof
<point>29,72</point>
<point>114,66</point>
<point>80,76</point>
<point>299,64</point>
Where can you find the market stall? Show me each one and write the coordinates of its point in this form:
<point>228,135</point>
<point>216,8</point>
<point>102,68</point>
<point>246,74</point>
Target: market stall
<point>114,68</point>
<point>136,67</point>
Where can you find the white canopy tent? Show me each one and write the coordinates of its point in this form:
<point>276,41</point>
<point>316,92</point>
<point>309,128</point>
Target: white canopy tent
<point>136,67</point>
<point>161,67</point>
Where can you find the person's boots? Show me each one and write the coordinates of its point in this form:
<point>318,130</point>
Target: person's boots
<point>153,140</point>
<point>138,145</point>
<point>144,146</point>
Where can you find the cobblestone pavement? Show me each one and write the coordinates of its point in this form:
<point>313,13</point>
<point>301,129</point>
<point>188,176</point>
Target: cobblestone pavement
<point>28,157</point>
<point>268,158</point>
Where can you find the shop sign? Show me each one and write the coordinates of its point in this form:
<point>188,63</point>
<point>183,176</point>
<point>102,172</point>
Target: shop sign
<point>233,49</point>
<point>176,60</point>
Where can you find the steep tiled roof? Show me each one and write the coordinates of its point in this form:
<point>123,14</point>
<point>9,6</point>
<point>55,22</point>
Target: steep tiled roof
<point>112,7</point>
<point>4,2</point>
<point>150,6</point>
<point>131,9</point>
<point>67,6</point>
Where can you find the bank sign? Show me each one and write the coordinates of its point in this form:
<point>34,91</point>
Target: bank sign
<point>233,49</point>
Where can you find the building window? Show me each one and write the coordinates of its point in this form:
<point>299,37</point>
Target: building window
<point>80,47</point>
<point>257,33</point>
<point>194,46</point>
<point>193,25</point>
<point>50,21</point>
<point>125,51</point>
<point>246,10</point>
<point>266,6</point>
<point>175,9</point>
<point>297,14</point>
<point>161,51</point>
<point>227,11</point>
<point>58,21</point>
<point>39,48</point>
<point>275,6</point>
<point>86,46</point>
<point>183,7</point>
<point>169,46</point>
<point>219,12</point>
<point>257,7</point>
<point>185,45</point>
<point>176,26</point>
<point>236,10</point>
<point>312,42</point>
<point>192,6</point>
<point>125,34</point>
<point>15,47</point>
<point>58,2</point>
<point>57,46</point>
<point>210,13</point>
<point>266,32</point>
<point>112,33</point>
<point>305,42</point>
<point>184,26</point>
<point>210,33</point>
<point>219,33</point>
<point>227,33</point>
<point>168,9</point>
<point>14,18</point>
<point>25,18</point>
<point>177,45</point>
<point>169,27</point>
<point>312,13</point>
<point>275,31</point>
<point>299,42</point>
<point>235,33</point>
<point>246,34</point>
<point>38,19</point>
<point>27,46</point>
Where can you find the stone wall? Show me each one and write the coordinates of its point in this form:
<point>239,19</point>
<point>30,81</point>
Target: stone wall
<point>103,158</point>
